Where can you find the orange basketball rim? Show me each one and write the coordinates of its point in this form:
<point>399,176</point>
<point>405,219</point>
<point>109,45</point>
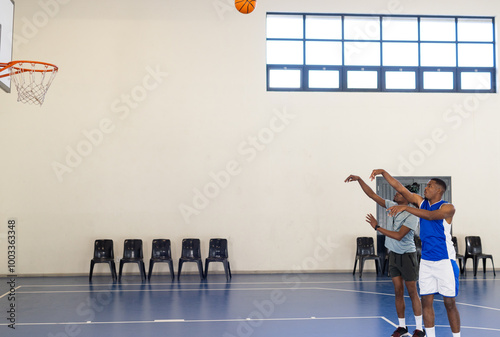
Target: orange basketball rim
<point>31,78</point>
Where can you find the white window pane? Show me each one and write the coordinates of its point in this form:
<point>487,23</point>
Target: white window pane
<point>324,53</point>
<point>362,79</point>
<point>438,80</point>
<point>437,29</point>
<point>285,52</point>
<point>475,55</point>
<point>438,55</point>
<point>284,78</point>
<point>476,80</point>
<point>400,80</point>
<point>394,28</point>
<point>361,28</point>
<point>285,26</point>
<point>400,54</point>
<point>475,30</point>
<point>323,27</point>
<point>362,53</point>
<point>324,79</point>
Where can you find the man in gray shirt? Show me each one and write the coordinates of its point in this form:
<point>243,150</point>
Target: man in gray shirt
<point>403,264</point>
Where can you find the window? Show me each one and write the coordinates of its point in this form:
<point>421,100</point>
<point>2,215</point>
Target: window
<point>388,53</point>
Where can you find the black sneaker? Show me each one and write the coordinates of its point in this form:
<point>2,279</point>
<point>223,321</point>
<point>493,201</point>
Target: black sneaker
<point>418,333</point>
<point>401,332</point>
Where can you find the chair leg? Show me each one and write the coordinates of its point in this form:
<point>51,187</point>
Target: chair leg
<point>112,266</point>
<point>361,264</point>
<point>142,269</point>
<point>92,263</point>
<point>171,266</point>
<point>206,267</point>
<point>150,271</point>
<point>474,265</point>
<point>484,265</point>
<point>179,270</point>
<point>493,265</point>
<point>120,272</point>
<point>229,268</point>
<point>355,263</point>
<point>226,269</point>
<point>200,269</point>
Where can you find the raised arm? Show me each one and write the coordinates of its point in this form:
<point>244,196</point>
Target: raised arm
<point>446,211</point>
<point>392,234</point>
<point>368,191</point>
<point>412,198</point>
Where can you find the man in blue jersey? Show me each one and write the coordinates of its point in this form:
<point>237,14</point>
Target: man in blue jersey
<point>403,263</point>
<point>438,269</point>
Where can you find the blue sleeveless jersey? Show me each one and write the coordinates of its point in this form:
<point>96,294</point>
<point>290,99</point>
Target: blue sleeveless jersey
<point>435,235</point>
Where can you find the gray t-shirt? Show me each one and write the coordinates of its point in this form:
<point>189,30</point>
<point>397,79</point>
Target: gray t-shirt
<point>407,243</point>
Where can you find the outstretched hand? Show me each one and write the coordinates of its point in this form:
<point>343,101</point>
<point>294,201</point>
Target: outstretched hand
<point>371,220</point>
<point>352,178</point>
<point>394,210</point>
<point>376,173</point>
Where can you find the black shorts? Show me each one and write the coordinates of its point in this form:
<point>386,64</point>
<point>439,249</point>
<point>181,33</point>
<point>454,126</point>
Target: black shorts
<point>404,265</point>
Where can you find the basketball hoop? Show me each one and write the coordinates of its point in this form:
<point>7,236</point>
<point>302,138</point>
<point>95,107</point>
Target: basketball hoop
<point>31,78</point>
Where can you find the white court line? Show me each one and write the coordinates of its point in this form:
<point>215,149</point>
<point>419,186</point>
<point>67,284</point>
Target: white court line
<point>478,306</point>
<point>388,321</point>
<point>236,320</point>
<point>8,292</point>
<point>81,323</point>
<point>471,305</point>
<point>169,320</point>
<point>479,328</point>
<point>279,319</point>
<point>204,320</point>
<point>470,327</point>
<point>197,284</point>
<point>197,289</point>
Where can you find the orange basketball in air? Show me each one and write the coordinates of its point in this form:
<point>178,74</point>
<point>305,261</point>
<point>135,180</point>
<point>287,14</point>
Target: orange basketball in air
<point>245,6</point>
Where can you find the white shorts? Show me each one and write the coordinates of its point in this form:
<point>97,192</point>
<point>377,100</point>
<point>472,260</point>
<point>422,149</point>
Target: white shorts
<point>439,277</point>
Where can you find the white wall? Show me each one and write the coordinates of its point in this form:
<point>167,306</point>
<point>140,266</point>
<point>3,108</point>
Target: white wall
<point>283,204</point>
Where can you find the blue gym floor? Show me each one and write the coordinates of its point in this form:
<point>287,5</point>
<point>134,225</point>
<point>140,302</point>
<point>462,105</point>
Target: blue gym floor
<point>249,305</point>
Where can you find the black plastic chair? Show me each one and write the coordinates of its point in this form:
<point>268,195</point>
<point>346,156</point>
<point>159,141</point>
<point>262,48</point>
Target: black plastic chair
<point>132,253</point>
<point>365,250</point>
<point>217,252</point>
<point>459,257</point>
<point>191,252</point>
<point>474,251</point>
<point>161,252</point>
<point>103,253</point>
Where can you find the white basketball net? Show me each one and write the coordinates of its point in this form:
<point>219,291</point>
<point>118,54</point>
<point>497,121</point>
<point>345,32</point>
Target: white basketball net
<point>32,80</point>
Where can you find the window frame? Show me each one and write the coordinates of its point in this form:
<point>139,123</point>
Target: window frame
<point>381,69</point>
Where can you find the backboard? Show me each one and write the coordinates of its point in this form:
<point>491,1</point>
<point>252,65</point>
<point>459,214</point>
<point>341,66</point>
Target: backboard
<point>6,38</point>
